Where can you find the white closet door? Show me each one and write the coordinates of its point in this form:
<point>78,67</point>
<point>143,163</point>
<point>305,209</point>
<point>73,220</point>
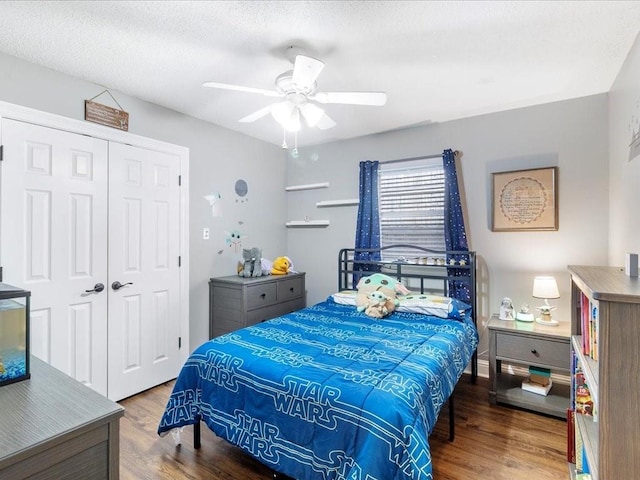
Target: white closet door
<point>144,229</point>
<point>54,243</point>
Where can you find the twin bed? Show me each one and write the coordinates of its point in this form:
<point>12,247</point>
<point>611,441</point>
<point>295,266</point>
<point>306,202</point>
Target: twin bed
<point>328,392</point>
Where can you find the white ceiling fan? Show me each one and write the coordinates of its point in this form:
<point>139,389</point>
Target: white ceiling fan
<point>298,89</point>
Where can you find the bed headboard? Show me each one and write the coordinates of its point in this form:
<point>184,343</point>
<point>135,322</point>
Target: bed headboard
<point>420,269</point>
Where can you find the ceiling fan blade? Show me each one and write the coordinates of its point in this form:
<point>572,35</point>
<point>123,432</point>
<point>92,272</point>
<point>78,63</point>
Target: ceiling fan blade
<point>239,88</point>
<point>325,122</point>
<point>351,98</point>
<point>256,115</point>
<point>306,71</point>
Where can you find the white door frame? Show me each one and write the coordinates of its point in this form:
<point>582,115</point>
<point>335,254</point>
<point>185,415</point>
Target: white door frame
<point>45,119</point>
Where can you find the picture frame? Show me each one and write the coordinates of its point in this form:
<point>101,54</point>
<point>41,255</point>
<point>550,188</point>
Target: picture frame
<point>525,200</point>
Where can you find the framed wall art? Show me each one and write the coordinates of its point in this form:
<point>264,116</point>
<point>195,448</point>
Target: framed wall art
<point>525,200</point>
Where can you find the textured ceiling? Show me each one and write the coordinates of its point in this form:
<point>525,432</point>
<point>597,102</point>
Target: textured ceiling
<point>436,60</point>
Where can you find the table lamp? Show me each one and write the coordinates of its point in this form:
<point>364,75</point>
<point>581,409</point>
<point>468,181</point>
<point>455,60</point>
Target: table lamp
<point>545,288</point>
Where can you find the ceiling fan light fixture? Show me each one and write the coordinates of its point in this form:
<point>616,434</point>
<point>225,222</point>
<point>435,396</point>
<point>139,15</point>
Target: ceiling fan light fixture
<point>293,124</point>
<point>311,113</point>
<point>281,111</point>
<point>287,114</point>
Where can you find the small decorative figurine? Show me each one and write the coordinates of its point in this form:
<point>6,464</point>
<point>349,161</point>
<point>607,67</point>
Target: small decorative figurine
<point>524,315</point>
<point>506,309</point>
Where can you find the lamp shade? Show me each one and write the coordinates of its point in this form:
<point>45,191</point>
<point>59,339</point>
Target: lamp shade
<point>545,287</point>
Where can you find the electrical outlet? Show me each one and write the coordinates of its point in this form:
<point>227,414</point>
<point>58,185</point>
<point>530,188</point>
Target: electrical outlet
<point>205,233</point>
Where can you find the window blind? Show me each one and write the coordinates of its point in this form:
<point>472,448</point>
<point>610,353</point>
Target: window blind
<point>411,203</point>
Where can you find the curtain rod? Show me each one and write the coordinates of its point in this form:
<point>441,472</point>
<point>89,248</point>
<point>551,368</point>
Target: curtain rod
<point>410,159</point>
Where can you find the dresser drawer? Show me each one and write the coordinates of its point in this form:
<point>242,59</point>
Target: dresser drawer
<point>289,289</point>
<point>261,295</point>
<point>554,353</point>
<point>267,313</point>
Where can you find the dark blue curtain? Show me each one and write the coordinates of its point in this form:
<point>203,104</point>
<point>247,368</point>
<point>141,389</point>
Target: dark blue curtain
<point>368,226</point>
<point>455,235</point>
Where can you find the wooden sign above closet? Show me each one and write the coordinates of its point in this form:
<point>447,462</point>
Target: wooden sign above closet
<point>105,115</point>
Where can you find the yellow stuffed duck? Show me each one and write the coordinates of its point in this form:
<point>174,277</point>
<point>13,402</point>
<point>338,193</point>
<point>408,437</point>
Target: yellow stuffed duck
<point>281,266</point>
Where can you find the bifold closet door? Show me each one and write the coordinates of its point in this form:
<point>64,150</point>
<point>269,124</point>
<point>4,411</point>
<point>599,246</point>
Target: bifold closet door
<point>78,215</point>
<point>54,243</point>
<point>144,229</point>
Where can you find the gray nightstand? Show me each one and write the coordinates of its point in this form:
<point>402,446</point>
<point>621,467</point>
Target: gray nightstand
<point>524,344</point>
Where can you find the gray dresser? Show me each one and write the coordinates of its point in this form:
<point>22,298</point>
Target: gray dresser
<point>236,302</point>
<point>55,428</point>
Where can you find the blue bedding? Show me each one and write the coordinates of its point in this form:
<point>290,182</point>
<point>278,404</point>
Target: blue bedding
<point>327,392</point>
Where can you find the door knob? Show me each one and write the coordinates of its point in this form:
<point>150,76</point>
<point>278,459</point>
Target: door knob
<point>117,285</point>
<point>98,287</point>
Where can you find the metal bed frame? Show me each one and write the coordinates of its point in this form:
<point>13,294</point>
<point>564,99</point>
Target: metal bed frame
<point>429,268</point>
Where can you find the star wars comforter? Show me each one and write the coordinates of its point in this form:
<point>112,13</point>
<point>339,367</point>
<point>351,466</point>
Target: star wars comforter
<point>327,392</point>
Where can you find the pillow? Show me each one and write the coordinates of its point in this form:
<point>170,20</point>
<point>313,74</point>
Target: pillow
<point>345,297</point>
<point>443,307</point>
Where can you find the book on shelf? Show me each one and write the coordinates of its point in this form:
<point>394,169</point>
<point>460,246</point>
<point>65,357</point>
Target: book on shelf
<point>539,375</point>
<point>571,440</point>
<point>583,476</point>
<point>529,386</point>
<point>589,326</point>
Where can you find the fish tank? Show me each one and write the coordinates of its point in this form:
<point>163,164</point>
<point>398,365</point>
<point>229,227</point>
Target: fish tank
<point>14,334</point>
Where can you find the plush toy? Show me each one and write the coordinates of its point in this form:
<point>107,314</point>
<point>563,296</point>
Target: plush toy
<point>252,263</point>
<point>379,282</point>
<point>280,266</point>
<point>378,305</point>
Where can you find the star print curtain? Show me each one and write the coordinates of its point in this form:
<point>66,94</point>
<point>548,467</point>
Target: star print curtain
<point>455,235</point>
<point>368,226</point>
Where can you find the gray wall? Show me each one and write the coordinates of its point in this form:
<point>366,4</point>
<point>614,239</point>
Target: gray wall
<point>218,158</point>
<point>624,168</point>
<point>571,135</point>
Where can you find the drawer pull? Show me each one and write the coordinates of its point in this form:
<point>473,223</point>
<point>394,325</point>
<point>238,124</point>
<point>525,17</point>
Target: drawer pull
<point>534,351</point>
<point>263,295</point>
<point>291,289</point>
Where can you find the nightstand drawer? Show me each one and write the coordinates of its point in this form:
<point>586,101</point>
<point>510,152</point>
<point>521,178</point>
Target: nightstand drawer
<point>553,353</point>
<point>261,295</point>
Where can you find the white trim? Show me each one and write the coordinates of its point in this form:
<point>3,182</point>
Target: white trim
<point>50,120</point>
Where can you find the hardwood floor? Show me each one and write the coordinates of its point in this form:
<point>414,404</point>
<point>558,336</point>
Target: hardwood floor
<point>492,443</point>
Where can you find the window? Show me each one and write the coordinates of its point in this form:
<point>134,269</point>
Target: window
<point>411,204</point>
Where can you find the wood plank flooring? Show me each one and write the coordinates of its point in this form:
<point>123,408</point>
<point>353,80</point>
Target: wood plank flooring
<point>492,443</point>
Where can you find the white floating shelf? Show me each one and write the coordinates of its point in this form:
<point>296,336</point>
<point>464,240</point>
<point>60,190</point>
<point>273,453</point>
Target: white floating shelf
<point>309,186</point>
<point>307,223</point>
<point>338,203</point>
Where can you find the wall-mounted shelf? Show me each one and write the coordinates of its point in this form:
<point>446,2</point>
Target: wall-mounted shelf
<point>307,223</point>
<point>338,203</point>
<point>309,186</point>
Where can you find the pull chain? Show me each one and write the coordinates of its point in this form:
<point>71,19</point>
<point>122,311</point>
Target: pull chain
<point>295,144</point>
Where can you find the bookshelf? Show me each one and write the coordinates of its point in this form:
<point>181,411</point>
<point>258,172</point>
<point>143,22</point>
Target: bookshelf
<point>606,343</point>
